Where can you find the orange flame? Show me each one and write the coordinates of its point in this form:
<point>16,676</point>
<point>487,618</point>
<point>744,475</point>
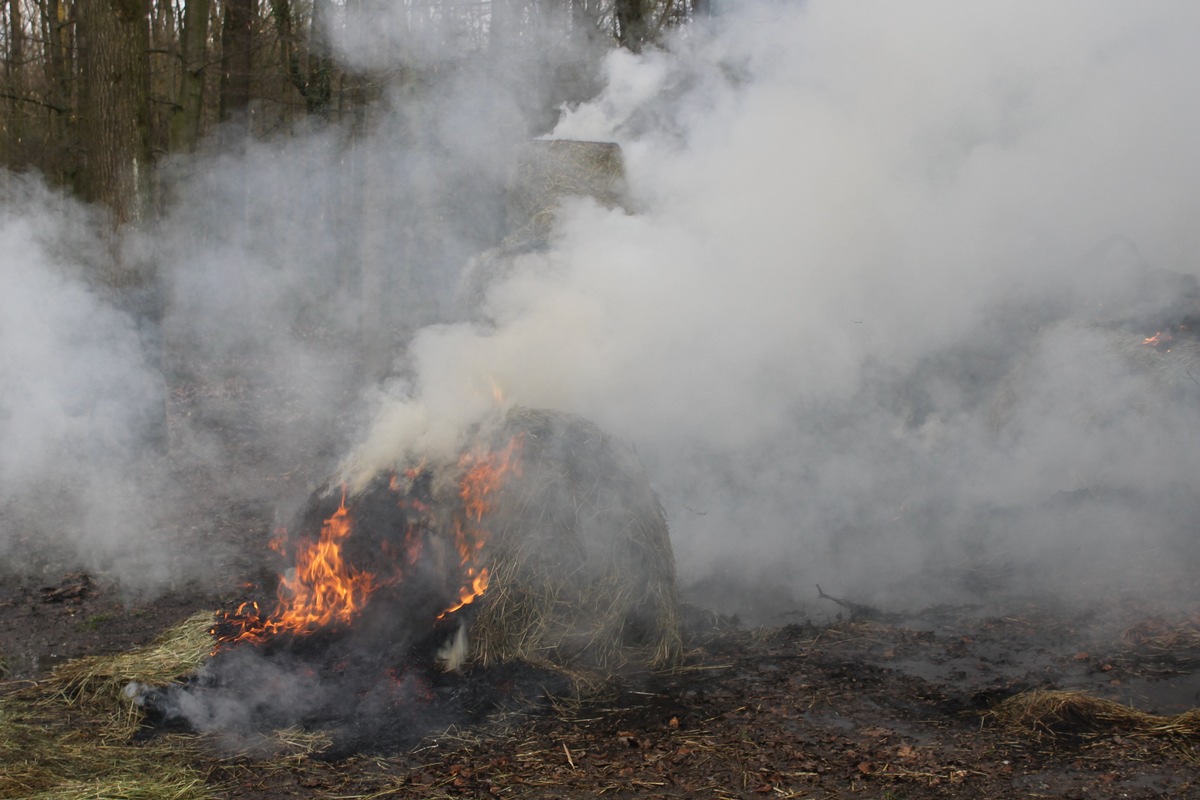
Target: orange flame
<point>1161,340</point>
<point>324,590</point>
<point>486,473</point>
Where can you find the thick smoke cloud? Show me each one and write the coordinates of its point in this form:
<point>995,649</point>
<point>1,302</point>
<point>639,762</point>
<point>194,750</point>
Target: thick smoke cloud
<point>877,319</point>
<point>78,400</point>
<point>872,313</point>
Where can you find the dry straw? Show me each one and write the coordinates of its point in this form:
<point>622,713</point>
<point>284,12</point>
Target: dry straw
<point>582,572</point>
<point>547,173</point>
<point>68,737</point>
<point>1060,712</point>
<point>550,171</point>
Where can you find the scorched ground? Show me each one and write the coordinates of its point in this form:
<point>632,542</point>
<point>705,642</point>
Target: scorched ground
<point>842,700</point>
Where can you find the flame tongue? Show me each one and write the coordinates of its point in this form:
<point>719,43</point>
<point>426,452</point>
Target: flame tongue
<point>322,591</point>
<point>325,591</point>
<point>485,473</point>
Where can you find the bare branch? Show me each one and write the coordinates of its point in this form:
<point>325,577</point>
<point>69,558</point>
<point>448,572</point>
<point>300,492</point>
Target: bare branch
<point>37,101</point>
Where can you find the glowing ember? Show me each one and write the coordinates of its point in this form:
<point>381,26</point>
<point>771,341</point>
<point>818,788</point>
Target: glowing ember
<point>1161,340</point>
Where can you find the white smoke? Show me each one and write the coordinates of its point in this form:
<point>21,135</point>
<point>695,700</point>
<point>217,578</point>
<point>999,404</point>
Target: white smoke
<point>78,399</point>
<point>867,315</point>
<point>853,221</point>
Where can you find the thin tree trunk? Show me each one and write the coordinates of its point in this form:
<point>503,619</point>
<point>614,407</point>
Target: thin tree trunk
<point>16,39</point>
<point>320,62</point>
<point>62,128</point>
<point>237,64</point>
<point>15,85</point>
<point>186,125</point>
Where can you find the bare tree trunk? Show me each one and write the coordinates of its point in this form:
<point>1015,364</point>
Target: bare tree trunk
<point>307,60</point>
<point>62,126</point>
<point>237,66</point>
<point>632,24</point>
<point>114,135</point>
<point>319,96</point>
<point>186,124</point>
<point>16,38</point>
<point>114,114</point>
<point>14,84</point>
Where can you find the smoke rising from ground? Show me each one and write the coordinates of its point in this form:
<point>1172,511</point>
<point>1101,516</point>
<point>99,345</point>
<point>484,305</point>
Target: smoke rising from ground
<point>78,400</point>
<point>872,316</point>
<point>877,321</point>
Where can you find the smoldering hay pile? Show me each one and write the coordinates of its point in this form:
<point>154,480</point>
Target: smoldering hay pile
<point>536,562</point>
<point>563,551</point>
<point>582,567</point>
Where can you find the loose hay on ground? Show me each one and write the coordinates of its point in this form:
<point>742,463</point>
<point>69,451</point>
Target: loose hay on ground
<point>100,679</point>
<point>68,737</point>
<point>1061,712</point>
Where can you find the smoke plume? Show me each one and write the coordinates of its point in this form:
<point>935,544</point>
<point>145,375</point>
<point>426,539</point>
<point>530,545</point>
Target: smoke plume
<point>78,401</point>
<point>876,317</point>
<point>872,312</point>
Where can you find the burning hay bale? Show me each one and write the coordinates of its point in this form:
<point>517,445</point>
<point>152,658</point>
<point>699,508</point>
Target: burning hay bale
<point>1060,713</point>
<point>581,569</point>
<point>562,549</point>
<point>538,562</point>
<point>544,539</point>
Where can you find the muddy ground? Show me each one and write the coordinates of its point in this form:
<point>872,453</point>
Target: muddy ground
<point>854,701</point>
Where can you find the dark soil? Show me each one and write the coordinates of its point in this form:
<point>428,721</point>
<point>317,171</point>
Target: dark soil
<point>863,704</point>
<point>871,709</point>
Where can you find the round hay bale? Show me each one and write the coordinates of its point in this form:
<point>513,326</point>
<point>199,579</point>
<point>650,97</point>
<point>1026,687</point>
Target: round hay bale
<point>559,558</point>
<point>547,173</point>
<point>582,572</point>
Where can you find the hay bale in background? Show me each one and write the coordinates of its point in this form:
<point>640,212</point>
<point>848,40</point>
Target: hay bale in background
<point>553,170</point>
<point>547,173</point>
<point>582,572</point>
